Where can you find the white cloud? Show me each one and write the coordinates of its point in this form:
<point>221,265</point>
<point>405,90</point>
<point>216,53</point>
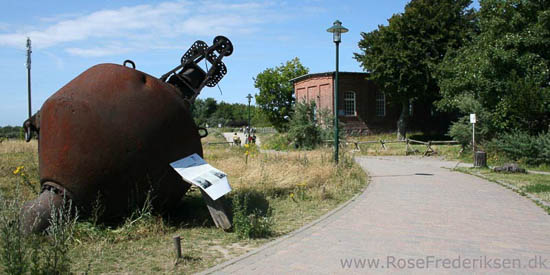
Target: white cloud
<point>142,24</point>
<point>60,17</point>
<point>97,51</point>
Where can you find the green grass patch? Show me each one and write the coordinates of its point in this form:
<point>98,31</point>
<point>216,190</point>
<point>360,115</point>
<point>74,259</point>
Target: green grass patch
<point>537,188</point>
<point>537,185</point>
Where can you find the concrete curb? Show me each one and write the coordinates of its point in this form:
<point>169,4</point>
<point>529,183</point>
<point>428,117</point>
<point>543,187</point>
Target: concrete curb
<point>517,190</point>
<point>467,164</point>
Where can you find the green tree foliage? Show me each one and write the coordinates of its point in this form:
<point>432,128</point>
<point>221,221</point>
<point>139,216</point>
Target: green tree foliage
<point>202,110</point>
<point>520,146</point>
<point>210,112</point>
<point>503,75</point>
<point>304,130</point>
<point>11,131</point>
<point>276,92</point>
<point>402,57</point>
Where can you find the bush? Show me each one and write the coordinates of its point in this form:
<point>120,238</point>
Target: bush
<point>250,222</point>
<point>56,251</point>
<point>12,132</point>
<point>34,253</point>
<point>326,119</point>
<point>12,240</point>
<point>543,142</point>
<point>519,145</point>
<point>461,132</point>
<point>303,128</point>
<point>278,142</point>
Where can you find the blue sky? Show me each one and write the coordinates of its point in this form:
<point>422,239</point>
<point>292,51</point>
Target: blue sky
<point>70,36</point>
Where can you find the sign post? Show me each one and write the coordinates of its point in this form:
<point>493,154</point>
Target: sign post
<point>473,121</point>
<point>212,183</point>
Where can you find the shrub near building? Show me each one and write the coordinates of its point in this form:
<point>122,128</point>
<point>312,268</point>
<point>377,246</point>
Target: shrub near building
<point>304,130</point>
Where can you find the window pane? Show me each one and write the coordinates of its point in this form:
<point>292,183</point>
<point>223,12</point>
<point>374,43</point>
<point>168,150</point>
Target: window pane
<point>349,103</point>
<point>380,104</point>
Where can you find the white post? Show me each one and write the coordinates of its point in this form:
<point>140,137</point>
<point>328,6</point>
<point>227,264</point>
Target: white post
<point>473,121</point>
<point>474,136</point>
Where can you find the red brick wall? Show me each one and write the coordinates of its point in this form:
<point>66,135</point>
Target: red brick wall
<point>318,89</point>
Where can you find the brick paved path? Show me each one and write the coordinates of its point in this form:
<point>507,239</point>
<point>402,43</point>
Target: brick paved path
<point>413,209</point>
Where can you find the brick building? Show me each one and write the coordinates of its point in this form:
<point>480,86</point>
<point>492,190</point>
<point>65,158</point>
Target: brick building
<point>362,109</point>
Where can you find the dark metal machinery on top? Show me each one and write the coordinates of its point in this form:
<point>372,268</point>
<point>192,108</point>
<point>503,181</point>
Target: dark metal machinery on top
<point>111,133</point>
<point>192,78</point>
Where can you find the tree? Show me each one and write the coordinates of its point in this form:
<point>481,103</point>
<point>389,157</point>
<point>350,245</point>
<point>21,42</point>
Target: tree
<point>276,92</point>
<point>504,74</point>
<point>202,110</point>
<point>402,57</point>
<point>210,112</point>
<point>11,132</point>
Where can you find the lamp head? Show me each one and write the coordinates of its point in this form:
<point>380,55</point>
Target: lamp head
<point>337,29</point>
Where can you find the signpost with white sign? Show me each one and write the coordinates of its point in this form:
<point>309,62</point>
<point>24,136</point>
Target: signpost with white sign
<point>197,171</point>
<point>212,182</point>
<point>473,121</point>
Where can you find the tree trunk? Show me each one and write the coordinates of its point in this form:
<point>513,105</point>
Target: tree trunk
<point>403,120</point>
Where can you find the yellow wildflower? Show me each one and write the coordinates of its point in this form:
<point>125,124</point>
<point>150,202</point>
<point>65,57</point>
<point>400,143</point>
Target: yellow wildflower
<point>291,195</point>
<point>246,145</point>
<point>18,169</point>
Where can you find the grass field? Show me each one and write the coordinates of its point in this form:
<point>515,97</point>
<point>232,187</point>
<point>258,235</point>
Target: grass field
<point>295,188</point>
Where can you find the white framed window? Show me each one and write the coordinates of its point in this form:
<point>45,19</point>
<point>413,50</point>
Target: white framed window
<point>380,104</point>
<point>349,103</point>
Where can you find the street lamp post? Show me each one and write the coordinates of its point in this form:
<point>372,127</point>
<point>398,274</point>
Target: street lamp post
<point>337,29</point>
<point>249,96</point>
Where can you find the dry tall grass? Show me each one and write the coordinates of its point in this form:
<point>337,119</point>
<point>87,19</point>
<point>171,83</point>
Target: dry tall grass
<point>279,173</point>
<point>13,154</point>
<point>298,186</point>
<point>18,146</point>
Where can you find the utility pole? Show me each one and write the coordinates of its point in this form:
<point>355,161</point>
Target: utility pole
<point>29,51</point>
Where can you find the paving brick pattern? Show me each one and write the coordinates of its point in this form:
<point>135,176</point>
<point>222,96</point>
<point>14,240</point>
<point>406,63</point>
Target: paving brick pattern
<point>414,209</point>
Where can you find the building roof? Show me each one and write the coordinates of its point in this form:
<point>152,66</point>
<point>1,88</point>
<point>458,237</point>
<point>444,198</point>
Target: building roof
<point>307,76</point>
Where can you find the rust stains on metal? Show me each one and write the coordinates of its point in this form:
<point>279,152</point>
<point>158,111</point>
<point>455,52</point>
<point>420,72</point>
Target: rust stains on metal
<point>113,130</point>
